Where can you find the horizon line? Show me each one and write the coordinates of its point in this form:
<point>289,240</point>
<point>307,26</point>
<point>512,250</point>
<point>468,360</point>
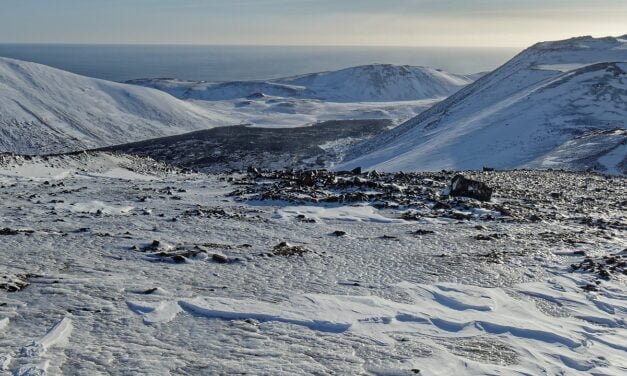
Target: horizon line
<point>257,45</point>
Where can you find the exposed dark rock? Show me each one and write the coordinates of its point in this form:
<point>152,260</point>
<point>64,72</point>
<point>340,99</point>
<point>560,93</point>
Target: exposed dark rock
<point>461,186</point>
<point>8,231</point>
<point>220,258</point>
<point>284,249</point>
<point>388,237</point>
<point>421,232</point>
<point>604,267</point>
<point>494,236</point>
<point>179,259</point>
<point>15,283</point>
<point>305,219</point>
<point>356,171</point>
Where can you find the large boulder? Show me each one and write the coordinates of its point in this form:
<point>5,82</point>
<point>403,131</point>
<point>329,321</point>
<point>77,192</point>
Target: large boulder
<point>460,186</point>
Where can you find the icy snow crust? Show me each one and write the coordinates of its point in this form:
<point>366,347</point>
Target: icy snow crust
<point>515,116</point>
<point>383,299</point>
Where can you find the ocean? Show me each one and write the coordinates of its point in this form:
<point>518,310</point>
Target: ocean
<point>231,63</point>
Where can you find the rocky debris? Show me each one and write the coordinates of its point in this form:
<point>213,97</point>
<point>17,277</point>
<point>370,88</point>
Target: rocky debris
<point>571,238</point>
<point>590,287</point>
<point>494,236</point>
<point>421,232</point>
<point>7,231</point>
<point>237,213</point>
<point>15,282</point>
<point>11,232</point>
<point>461,186</point>
<point>388,237</point>
<point>603,267</point>
<point>182,253</point>
<point>523,195</point>
<point>303,218</point>
<point>228,148</point>
<point>495,256</point>
<point>287,250</point>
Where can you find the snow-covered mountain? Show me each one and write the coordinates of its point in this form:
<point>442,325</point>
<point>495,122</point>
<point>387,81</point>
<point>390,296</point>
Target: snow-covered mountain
<point>368,83</point>
<point>46,110</point>
<point>524,114</point>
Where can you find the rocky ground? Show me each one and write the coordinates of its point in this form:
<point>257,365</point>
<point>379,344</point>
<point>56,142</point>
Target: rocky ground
<point>224,149</point>
<point>122,265</point>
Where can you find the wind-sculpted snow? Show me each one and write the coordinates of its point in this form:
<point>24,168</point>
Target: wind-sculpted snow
<point>516,116</point>
<point>46,110</point>
<point>368,83</point>
<point>290,273</point>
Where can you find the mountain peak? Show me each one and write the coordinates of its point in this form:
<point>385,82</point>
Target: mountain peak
<point>582,42</point>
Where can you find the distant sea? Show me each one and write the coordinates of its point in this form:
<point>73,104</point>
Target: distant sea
<point>230,63</point>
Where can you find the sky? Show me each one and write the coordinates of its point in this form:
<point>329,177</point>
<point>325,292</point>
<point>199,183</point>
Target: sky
<point>455,23</point>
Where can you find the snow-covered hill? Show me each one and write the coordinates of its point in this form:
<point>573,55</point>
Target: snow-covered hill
<point>46,110</point>
<point>368,83</point>
<point>521,115</point>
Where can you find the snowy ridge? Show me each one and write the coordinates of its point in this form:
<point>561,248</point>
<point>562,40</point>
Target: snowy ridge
<point>46,110</point>
<point>368,83</point>
<point>512,117</point>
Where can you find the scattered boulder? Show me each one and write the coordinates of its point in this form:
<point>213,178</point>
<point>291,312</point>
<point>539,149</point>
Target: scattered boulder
<point>220,258</point>
<point>303,218</point>
<point>339,233</point>
<point>460,186</point>
<point>284,249</point>
<point>15,283</point>
<point>494,236</point>
<point>7,231</point>
<point>421,232</point>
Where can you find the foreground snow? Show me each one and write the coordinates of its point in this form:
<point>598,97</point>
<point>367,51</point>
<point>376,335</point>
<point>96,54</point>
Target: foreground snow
<point>97,294</point>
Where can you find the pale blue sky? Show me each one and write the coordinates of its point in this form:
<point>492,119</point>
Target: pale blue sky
<point>515,23</point>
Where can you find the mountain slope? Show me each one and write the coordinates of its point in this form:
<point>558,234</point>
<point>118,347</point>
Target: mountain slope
<point>46,110</point>
<point>515,116</point>
<point>368,83</point>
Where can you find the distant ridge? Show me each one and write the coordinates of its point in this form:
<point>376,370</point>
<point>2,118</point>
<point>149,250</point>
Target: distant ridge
<point>366,83</point>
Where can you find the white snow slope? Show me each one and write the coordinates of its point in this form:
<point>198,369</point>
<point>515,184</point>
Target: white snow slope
<point>368,83</point>
<point>519,115</point>
<point>46,110</point>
